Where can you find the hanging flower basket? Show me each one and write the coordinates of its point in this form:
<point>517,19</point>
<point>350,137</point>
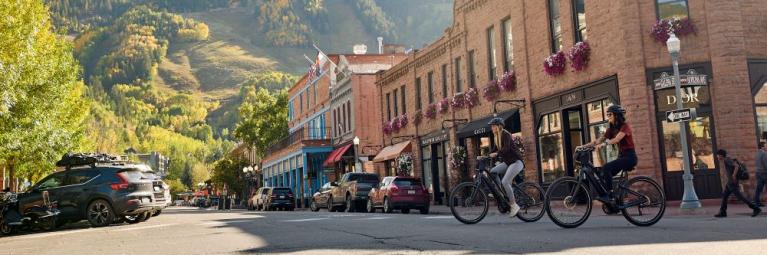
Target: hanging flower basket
<point>387,128</point>
<point>402,121</point>
<point>508,81</point>
<point>394,125</point>
<point>457,157</point>
<point>555,64</point>
<point>471,98</point>
<point>458,101</point>
<point>431,111</point>
<point>680,27</point>
<point>579,56</point>
<point>443,105</point>
<point>404,164</point>
<point>417,117</point>
<point>490,93</point>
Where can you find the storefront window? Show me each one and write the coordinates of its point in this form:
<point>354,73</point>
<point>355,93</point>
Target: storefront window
<point>702,147</point>
<point>426,152</point>
<point>672,9</point>
<point>551,147</point>
<point>597,127</point>
<point>760,102</point>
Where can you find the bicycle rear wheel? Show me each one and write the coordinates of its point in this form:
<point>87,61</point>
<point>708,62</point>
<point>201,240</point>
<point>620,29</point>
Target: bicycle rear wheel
<point>568,203</point>
<point>530,198</point>
<point>468,203</point>
<point>645,201</point>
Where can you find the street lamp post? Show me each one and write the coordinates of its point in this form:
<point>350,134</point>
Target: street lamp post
<point>690,198</point>
<point>357,164</point>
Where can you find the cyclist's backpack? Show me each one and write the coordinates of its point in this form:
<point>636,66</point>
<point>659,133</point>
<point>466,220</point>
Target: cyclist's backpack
<point>742,171</point>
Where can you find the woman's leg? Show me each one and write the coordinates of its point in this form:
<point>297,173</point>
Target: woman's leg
<point>508,179</point>
<point>497,171</point>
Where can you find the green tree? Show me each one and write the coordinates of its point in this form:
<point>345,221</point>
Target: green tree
<point>229,171</point>
<point>264,119</point>
<point>41,96</point>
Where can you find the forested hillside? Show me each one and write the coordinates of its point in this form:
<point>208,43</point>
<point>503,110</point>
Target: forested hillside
<point>171,75</point>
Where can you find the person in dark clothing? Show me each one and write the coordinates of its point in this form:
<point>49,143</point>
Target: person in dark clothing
<point>761,173</point>
<point>732,186</point>
<point>619,133</point>
<point>510,161</point>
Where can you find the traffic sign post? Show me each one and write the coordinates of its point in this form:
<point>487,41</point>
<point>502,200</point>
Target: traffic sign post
<point>680,115</point>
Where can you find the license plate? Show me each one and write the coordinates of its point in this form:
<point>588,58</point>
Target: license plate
<point>281,197</point>
<point>411,192</point>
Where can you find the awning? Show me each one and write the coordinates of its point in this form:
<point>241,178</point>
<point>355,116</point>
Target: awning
<point>335,155</point>
<point>392,151</point>
<point>480,127</point>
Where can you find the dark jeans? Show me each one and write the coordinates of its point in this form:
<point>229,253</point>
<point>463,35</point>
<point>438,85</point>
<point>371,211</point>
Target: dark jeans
<point>625,161</point>
<point>733,189</point>
<point>761,180</point>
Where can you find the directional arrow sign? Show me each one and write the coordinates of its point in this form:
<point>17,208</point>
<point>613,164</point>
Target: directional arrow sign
<point>680,115</point>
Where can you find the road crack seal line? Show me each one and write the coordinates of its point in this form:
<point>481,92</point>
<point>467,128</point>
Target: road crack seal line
<point>380,240</point>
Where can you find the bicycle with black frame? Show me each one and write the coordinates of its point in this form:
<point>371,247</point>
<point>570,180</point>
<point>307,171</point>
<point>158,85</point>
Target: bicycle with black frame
<point>569,199</point>
<point>469,201</point>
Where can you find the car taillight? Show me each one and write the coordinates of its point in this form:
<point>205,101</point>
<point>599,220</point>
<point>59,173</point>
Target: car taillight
<point>122,184</point>
<point>394,189</point>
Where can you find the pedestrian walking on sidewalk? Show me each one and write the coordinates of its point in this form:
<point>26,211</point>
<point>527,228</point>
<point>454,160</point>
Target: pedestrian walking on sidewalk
<point>732,186</point>
<point>761,173</point>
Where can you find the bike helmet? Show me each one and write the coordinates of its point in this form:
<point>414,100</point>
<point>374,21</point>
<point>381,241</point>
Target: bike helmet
<point>495,121</point>
<point>616,109</point>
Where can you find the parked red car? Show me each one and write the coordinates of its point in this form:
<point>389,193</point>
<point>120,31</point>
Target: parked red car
<point>398,192</point>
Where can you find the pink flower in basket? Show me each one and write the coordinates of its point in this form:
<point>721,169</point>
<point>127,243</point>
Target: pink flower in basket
<point>680,27</point>
<point>555,64</point>
<point>579,56</point>
<point>431,111</point>
<point>471,98</point>
<point>443,105</point>
<point>387,127</point>
<point>458,101</point>
<point>490,92</point>
<point>394,125</point>
<point>508,81</point>
<point>402,121</point>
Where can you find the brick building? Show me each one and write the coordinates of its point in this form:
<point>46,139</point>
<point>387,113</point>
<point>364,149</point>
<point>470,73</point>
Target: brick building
<point>490,37</point>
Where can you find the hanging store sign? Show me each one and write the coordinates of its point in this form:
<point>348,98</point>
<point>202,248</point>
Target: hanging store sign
<point>691,78</point>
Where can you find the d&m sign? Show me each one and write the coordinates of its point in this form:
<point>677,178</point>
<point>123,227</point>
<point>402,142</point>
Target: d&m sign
<point>694,91</point>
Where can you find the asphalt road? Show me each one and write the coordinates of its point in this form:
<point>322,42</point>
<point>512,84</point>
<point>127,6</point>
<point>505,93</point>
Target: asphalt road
<point>194,231</point>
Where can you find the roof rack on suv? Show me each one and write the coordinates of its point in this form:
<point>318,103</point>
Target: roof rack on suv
<point>70,160</point>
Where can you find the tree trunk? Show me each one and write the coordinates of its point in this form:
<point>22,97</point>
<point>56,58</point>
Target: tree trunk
<point>12,178</point>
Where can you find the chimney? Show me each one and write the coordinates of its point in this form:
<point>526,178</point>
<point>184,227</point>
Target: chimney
<point>380,45</point>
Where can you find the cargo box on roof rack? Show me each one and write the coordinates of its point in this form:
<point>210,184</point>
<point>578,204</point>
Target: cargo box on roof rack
<point>70,160</point>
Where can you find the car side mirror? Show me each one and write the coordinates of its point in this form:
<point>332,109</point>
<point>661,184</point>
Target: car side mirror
<point>334,184</point>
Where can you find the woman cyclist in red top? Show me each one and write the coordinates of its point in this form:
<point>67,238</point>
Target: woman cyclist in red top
<point>619,133</point>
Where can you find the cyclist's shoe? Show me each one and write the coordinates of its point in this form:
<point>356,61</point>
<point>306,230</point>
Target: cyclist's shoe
<point>514,210</point>
<point>721,215</point>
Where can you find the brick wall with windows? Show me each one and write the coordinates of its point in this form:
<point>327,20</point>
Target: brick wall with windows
<point>622,49</point>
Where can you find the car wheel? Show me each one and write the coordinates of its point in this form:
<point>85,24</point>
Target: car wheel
<point>349,204</point>
<point>314,206</point>
<point>147,215</point>
<point>156,213</point>
<point>100,213</point>
<point>5,229</point>
<point>371,208</point>
<point>387,205</point>
<point>330,205</point>
<point>425,210</point>
<point>406,211</point>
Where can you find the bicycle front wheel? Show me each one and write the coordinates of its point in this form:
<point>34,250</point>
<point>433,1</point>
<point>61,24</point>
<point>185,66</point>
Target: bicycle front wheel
<point>644,201</point>
<point>568,203</point>
<point>468,203</point>
<point>530,198</point>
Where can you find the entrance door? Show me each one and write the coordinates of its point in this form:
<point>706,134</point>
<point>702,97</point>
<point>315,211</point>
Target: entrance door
<point>702,159</point>
<point>573,126</point>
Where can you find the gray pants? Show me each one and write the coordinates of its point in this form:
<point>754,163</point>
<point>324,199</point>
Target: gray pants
<point>508,178</point>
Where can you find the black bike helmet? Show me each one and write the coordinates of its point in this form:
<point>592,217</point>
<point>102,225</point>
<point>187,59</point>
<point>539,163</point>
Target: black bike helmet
<point>616,109</point>
<point>495,121</point>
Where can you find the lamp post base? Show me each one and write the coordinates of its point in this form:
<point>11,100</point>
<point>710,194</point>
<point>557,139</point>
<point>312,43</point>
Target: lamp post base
<point>691,208</point>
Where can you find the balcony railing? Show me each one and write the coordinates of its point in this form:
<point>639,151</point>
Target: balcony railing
<point>301,135</point>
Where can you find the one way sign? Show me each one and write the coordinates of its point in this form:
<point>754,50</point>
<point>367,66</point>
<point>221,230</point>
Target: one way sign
<point>680,115</point>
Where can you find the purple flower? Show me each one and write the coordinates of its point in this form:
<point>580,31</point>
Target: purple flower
<point>579,56</point>
<point>471,98</point>
<point>431,111</point>
<point>508,81</point>
<point>555,64</point>
<point>443,105</point>
<point>490,92</point>
<point>680,27</point>
<point>402,121</point>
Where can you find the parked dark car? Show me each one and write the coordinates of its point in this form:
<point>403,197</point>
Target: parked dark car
<point>100,194</point>
<point>352,191</point>
<point>397,192</point>
<point>280,199</point>
<point>160,189</point>
<point>320,198</point>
